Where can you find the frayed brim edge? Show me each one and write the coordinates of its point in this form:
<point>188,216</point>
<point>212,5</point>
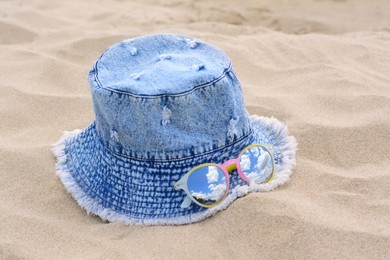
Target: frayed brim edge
<point>287,145</point>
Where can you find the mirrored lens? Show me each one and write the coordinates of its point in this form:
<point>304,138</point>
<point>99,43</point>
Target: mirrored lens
<point>207,185</point>
<point>256,164</point>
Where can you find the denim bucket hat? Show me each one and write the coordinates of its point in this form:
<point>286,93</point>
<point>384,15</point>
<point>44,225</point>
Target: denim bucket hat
<point>163,105</point>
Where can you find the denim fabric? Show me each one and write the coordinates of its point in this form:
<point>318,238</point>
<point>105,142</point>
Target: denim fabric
<point>140,189</point>
<point>180,103</point>
<point>163,104</point>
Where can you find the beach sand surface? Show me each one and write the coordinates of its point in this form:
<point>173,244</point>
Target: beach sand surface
<point>321,66</point>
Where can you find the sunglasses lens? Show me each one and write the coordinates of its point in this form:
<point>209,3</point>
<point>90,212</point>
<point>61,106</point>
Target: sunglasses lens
<point>207,185</point>
<point>256,164</point>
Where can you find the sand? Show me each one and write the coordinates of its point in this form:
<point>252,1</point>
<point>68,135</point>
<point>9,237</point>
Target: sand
<point>321,66</point>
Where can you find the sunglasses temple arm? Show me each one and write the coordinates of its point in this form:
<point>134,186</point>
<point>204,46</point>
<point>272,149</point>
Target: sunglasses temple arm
<point>186,202</point>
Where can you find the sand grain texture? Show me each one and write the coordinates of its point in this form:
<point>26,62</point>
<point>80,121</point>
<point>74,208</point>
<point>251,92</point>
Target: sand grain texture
<point>321,66</point>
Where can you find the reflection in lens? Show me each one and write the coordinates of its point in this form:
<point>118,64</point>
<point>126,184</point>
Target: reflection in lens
<point>256,164</point>
<point>207,185</point>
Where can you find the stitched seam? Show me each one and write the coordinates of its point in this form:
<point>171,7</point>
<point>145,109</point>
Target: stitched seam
<point>168,160</point>
<point>100,85</point>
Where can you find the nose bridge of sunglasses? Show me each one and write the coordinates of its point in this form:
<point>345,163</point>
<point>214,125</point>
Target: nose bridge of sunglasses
<point>231,164</point>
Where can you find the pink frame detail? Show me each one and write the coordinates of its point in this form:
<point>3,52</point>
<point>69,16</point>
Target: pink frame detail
<point>226,167</point>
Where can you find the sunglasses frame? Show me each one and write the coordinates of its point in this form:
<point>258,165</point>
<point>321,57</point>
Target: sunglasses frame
<point>226,167</point>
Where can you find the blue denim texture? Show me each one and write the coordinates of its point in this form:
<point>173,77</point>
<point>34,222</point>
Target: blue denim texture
<point>140,189</point>
<point>175,107</point>
<point>163,104</point>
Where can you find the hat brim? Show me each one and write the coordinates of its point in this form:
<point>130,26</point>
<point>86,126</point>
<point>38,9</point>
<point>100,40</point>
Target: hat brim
<point>132,191</point>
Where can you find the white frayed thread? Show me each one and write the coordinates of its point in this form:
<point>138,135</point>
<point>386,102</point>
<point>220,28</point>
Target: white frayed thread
<point>287,146</point>
<point>165,57</point>
<point>114,135</point>
<point>166,115</point>
<point>197,66</point>
<point>232,131</point>
<point>58,149</point>
<point>133,51</point>
<point>136,76</point>
<point>192,43</point>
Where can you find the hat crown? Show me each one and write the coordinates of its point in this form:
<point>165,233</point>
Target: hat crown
<point>165,97</point>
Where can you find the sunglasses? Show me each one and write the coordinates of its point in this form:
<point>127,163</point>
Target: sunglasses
<point>208,184</point>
